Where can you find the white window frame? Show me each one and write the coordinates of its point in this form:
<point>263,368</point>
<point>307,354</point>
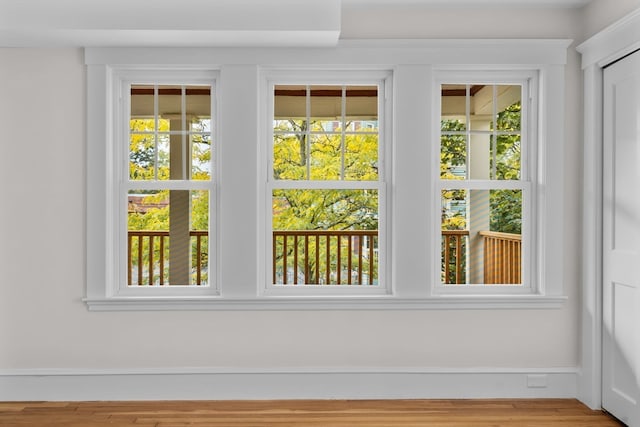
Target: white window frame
<point>240,123</point>
<point>528,81</point>
<point>117,185</point>
<point>383,80</point>
<point>123,79</point>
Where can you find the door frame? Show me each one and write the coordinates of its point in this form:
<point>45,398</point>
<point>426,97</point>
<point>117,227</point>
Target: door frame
<point>611,44</point>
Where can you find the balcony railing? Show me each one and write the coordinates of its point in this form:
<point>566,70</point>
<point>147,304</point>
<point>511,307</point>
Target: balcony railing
<point>147,257</point>
<point>454,255</point>
<point>326,257</point>
<point>502,258</point>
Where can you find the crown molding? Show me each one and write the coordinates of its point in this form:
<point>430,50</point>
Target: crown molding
<point>66,23</point>
<point>617,40</point>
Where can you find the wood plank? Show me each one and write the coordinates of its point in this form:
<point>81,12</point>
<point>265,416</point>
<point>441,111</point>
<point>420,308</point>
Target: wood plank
<point>326,413</point>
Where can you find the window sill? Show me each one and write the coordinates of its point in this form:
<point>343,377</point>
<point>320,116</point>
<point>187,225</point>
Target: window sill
<point>488,302</point>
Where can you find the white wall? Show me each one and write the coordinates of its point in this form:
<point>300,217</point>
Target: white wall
<point>410,19</point>
<point>45,325</point>
<point>599,14</point>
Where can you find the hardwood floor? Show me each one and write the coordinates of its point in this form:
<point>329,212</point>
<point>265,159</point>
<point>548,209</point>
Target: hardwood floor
<point>376,413</point>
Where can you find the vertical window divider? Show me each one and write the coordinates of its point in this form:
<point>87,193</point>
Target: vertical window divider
<point>525,108</point>
<point>467,133</point>
<point>308,131</point>
<point>494,133</point>
<point>343,124</point>
<point>156,124</point>
<point>183,132</point>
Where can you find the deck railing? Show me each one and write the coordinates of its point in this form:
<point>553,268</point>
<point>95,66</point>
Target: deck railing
<point>502,258</point>
<point>454,256</point>
<point>326,257</point>
<point>147,257</point>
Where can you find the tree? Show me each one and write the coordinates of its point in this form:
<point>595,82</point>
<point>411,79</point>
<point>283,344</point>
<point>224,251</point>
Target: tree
<point>324,209</point>
<point>506,205</point>
<point>322,156</point>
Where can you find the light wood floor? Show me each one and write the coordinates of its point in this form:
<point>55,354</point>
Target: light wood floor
<point>445,413</point>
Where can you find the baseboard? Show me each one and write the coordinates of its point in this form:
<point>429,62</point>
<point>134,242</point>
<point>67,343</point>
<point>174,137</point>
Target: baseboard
<point>211,384</point>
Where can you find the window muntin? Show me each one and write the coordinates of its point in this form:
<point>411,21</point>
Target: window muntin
<point>160,115</point>
<point>481,123</point>
<point>326,193</point>
<point>485,185</point>
<point>325,132</point>
<point>166,186</point>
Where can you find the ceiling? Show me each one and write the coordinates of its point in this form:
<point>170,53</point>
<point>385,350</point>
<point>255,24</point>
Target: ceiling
<point>114,23</point>
<point>466,3</point>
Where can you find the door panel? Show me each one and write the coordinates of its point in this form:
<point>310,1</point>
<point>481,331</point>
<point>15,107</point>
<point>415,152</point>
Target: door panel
<point>622,333</point>
<point>621,240</point>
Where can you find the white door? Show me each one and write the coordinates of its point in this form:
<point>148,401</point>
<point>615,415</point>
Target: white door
<point>621,240</point>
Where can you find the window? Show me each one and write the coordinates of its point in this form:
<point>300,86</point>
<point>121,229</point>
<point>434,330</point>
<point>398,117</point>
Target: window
<point>486,175</point>
<point>270,181</point>
<point>163,184</point>
<point>325,189</point>
<point>167,184</point>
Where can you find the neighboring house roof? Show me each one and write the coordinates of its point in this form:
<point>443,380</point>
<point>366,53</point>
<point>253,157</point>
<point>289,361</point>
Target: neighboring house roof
<point>140,203</point>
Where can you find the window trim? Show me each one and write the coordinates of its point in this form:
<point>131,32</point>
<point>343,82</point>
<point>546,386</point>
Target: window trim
<point>122,79</point>
<point>114,178</point>
<point>413,63</point>
<point>528,80</point>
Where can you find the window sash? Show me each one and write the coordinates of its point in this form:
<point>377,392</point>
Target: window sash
<point>526,183</point>
<point>124,80</point>
<point>379,185</point>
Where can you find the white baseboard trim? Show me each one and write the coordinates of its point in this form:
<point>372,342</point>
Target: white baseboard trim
<point>212,384</point>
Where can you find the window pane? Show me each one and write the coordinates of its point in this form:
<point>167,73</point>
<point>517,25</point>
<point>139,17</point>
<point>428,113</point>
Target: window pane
<point>142,108</point>
<point>509,102</point>
<point>332,145</point>
<point>170,103</point>
<point>170,100</point>
<point>361,113</point>
<point>326,108</point>
<point>326,156</point>
<point>168,240</point>
<point>198,102</point>
<point>289,156</point>
<point>201,156</point>
<point>290,108</point>
<point>506,162</point>
<point>198,115</point>
<point>453,107</point>
<point>482,103</point>
<point>481,236</point>
<point>164,160</point>
<point>361,157</point>
<point>491,149</point>
<point>453,156</point>
<point>170,132</point>
<point>142,154</point>
<point>142,135</point>
<point>325,237</point>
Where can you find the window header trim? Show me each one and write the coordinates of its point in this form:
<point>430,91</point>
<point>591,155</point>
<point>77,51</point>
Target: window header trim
<point>365,52</point>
